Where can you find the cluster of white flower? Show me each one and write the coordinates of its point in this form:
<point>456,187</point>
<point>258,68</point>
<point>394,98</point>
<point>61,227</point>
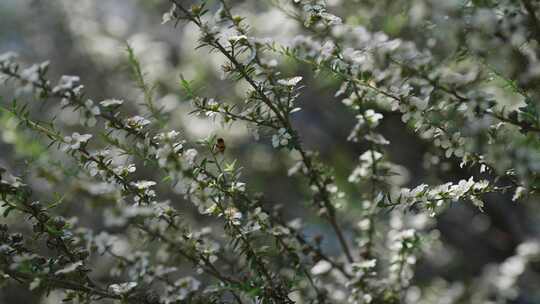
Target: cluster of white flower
<point>281,139</point>
<point>125,169</point>
<point>263,258</point>
<point>364,170</point>
<point>67,83</point>
<point>122,288</point>
<point>34,73</point>
<point>454,145</point>
<point>144,187</point>
<point>76,141</point>
<point>433,198</point>
<point>169,148</point>
<point>317,11</point>
<point>90,112</point>
<point>414,109</point>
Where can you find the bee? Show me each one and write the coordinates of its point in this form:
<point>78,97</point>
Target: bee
<point>220,145</point>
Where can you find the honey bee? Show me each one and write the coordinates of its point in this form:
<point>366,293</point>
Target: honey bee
<point>220,145</point>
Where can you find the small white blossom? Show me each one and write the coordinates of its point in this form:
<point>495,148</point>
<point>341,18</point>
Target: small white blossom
<point>76,140</point>
<point>91,108</point>
<point>290,82</point>
<point>238,186</point>
<point>186,286</point>
<point>190,156</point>
<point>111,103</point>
<point>142,185</point>
<point>168,16</point>
<point>372,117</point>
<point>321,267</point>
<point>367,264</point>
<point>122,288</point>
<point>66,82</point>
<point>281,139</point>
<point>69,268</point>
<point>7,57</point>
<point>235,39</point>
<point>519,193</point>
<point>233,215</point>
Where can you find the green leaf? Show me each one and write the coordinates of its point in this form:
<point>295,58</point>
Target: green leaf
<point>8,211</point>
<point>186,86</point>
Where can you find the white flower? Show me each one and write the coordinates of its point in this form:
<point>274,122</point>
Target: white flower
<point>141,185</point>
<point>190,156</point>
<point>213,107</point>
<point>372,117</point>
<point>168,16</point>
<point>358,173</point>
<point>280,230</point>
<point>35,284</point>
<point>370,156</point>
<point>462,187</point>
<point>69,268</point>
<point>32,73</point>
<point>364,224</point>
<point>321,267</point>
<point>235,39</point>
<point>212,210</point>
<point>238,186</point>
<point>275,141</point>
<point>122,288</point>
<point>281,139</point>
<point>93,110</point>
<point>331,19</point>
<point>407,234</point>
<point>513,266</point>
<point>367,298</point>
<point>67,83</point>
<point>290,82</point>
<point>233,215</point>
<point>332,188</point>
<point>10,179</point>
<point>477,202</point>
<point>93,168</point>
<point>327,50</point>
<point>519,193</point>
<point>481,185</point>
<point>111,103</point>
<point>105,241</point>
<point>186,286</point>
<point>76,140</point>
<point>354,56</point>
<point>367,264</point>
<point>7,57</point>
<point>172,134</point>
<point>420,104</point>
<point>125,170</point>
<point>529,248</point>
<point>418,190</point>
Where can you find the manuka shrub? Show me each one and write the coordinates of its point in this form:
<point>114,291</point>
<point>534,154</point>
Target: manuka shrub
<point>121,205</point>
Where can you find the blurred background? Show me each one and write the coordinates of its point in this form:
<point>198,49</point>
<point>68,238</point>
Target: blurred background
<point>88,38</point>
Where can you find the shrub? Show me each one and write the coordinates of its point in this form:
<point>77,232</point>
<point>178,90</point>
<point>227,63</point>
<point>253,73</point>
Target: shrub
<point>469,107</point>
